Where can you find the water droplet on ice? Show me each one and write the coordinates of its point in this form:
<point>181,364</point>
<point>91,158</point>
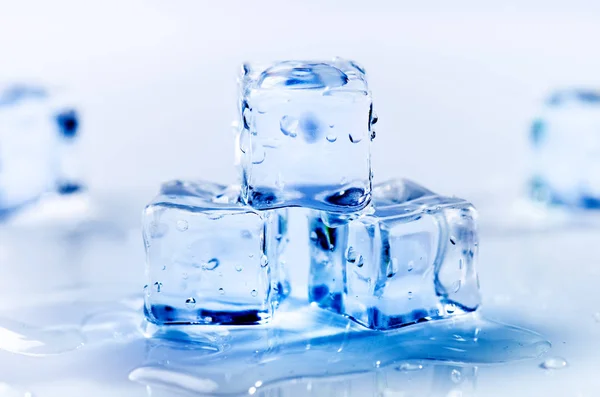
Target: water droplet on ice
<point>211,264</point>
<point>246,234</point>
<point>157,286</point>
<point>221,291</point>
<point>374,118</point>
<point>331,138</point>
<point>456,376</point>
<point>410,295</point>
<point>246,114</point>
<point>351,255</point>
<point>238,268</point>
<point>253,293</point>
<point>288,126</point>
<point>190,303</point>
<point>360,261</point>
<point>354,139</point>
<point>264,261</point>
<point>554,363</point>
<point>182,225</point>
<point>408,367</point>
<point>456,286</point>
<point>410,266</point>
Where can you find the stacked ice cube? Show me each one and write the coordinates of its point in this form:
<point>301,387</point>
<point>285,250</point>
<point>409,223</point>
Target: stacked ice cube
<point>386,257</point>
<point>36,133</point>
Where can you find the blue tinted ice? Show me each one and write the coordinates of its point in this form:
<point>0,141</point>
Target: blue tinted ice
<point>33,140</point>
<point>211,259</point>
<point>305,135</point>
<point>410,259</point>
<point>566,142</point>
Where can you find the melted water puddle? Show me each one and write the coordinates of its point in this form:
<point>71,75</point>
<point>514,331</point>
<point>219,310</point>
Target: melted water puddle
<point>20,338</point>
<point>303,344</point>
<point>63,330</point>
<point>117,326</point>
<point>7,390</point>
<point>258,359</point>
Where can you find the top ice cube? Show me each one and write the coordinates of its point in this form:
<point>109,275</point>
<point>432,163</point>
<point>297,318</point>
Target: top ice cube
<point>305,134</point>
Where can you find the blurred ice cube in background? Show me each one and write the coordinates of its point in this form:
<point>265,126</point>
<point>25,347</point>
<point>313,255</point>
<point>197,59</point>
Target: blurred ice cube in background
<point>565,142</point>
<point>38,132</point>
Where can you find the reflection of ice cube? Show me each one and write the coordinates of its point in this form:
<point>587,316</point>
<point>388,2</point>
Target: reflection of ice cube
<point>566,150</point>
<point>35,135</point>
<point>210,259</point>
<point>305,133</point>
<point>412,259</point>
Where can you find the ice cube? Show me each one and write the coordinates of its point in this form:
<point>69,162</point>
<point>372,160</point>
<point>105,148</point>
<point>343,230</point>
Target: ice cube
<point>410,258</point>
<point>211,259</point>
<point>305,134</point>
<point>566,150</point>
<point>33,155</point>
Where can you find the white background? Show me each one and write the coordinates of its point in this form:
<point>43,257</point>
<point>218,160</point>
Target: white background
<point>455,84</point>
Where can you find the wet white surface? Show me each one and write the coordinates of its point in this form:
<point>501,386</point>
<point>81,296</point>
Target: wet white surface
<point>71,297</point>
